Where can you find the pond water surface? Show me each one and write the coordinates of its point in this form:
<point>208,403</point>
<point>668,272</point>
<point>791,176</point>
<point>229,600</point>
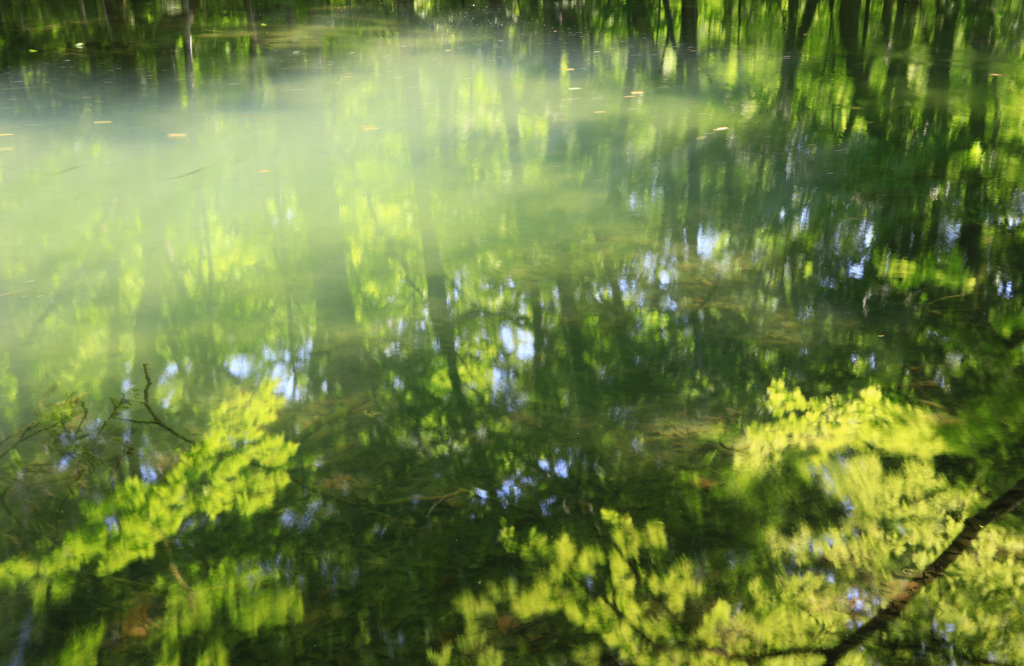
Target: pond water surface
<point>480,336</point>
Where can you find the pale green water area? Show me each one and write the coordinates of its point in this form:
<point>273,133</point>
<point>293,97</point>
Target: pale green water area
<point>540,333</point>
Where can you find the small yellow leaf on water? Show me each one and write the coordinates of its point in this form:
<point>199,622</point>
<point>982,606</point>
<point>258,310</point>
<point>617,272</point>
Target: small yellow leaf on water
<point>370,128</point>
<point>636,92</point>
<point>264,171</point>
<point>570,69</point>
<point>6,135</point>
<point>628,96</point>
<point>6,148</point>
<point>598,111</point>
<point>176,135</point>
<point>102,122</point>
<point>994,74</point>
<point>577,88</point>
<point>720,129</point>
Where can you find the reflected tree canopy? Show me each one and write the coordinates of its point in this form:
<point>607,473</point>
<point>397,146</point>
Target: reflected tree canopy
<point>535,332</point>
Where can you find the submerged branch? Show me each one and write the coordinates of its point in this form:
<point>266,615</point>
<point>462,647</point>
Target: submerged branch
<point>177,575</point>
<point>42,424</point>
<point>155,420</point>
<point>379,506</point>
<point>115,407</point>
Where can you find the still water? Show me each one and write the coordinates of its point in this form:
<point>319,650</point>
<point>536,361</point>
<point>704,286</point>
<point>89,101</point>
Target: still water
<point>470,337</point>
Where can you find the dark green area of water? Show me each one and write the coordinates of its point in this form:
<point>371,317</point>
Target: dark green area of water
<point>538,333</point>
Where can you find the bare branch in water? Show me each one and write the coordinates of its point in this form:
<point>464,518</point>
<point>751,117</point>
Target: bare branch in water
<point>155,420</point>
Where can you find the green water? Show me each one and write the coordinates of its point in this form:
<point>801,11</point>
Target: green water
<point>519,334</point>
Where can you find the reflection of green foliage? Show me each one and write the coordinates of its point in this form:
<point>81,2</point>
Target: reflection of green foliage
<point>251,597</point>
<point>819,428</point>
<point>1006,321</point>
<point>626,596</point>
<point>876,457</point>
<point>945,276</point>
<point>633,601</point>
<point>235,468</point>
<point>898,518</point>
<point>83,646</point>
<point>205,271</point>
<point>627,593</point>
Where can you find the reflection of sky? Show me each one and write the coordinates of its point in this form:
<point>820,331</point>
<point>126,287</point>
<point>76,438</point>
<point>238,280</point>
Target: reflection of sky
<point>517,340</point>
<point>126,383</point>
<point>278,366</point>
<point>855,602</point>
<point>239,366</point>
<point>24,636</point>
<point>560,468</point>
<point>706,240</point>
<point>805,219</point>
<point>946,629</point>
<point>457,279</point>
<point>509,490</point>
<point>514,341</point>
<point>867,231</point>
<point>628,289</point>
<point>148,473</point>
<point>503,387</point>
<point>289,518</point>
<point>869,359</point>
<point>950,231</point>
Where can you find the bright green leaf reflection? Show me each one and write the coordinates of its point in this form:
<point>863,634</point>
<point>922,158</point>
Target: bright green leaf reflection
<point>236,469</point>
<point>819,428</point>
<point>627,594</point>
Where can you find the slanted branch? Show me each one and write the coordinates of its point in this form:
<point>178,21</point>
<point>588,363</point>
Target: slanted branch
<point>973,526</point>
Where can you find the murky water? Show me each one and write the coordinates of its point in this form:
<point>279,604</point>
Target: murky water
<point>300,346</point>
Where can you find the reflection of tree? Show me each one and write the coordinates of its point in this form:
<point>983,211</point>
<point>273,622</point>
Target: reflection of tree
<point>793,49</point>
<point>622,590</point>
<point>335,363</point>
<point>610,294</point>
<point>965,540</point>
<point>437,281</point>
<point>150,530</point>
